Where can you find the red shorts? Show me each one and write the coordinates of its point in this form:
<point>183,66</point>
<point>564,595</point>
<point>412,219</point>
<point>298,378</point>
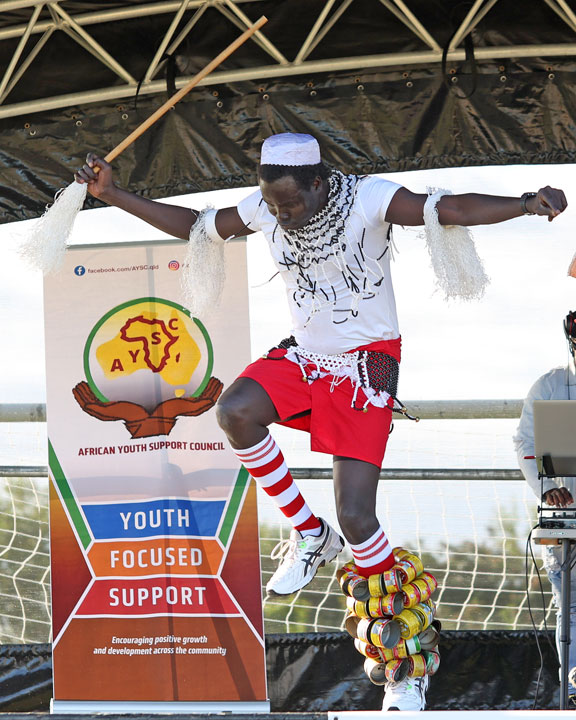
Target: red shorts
<point>325,410</point>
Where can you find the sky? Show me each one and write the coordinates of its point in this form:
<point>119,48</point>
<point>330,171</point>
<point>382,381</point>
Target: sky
<point>492,348</point>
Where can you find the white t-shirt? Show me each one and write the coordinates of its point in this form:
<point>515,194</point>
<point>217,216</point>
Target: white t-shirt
<point>346,319</point>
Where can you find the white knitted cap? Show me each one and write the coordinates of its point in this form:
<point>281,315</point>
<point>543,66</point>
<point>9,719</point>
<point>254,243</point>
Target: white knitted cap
<point>290,149</point>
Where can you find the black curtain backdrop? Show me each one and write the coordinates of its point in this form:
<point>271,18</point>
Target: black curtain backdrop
<point>321,672</point>
<point>367,121</point>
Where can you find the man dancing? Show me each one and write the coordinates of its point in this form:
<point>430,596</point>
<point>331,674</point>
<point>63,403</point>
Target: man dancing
<point>336,375</point>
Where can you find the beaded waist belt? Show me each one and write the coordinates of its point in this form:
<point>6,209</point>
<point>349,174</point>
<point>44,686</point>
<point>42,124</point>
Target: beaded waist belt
<point>375,373</point>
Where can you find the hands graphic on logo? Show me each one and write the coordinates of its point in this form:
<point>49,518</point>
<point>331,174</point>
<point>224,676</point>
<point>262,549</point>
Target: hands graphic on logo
<point>139,422</point>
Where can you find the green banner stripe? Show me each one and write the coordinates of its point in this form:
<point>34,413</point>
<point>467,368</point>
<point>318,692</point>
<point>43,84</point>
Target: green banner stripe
<point>68,497</point>
<point>234,505</point>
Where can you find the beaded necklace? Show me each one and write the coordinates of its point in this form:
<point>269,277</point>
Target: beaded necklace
<point>307,250</point>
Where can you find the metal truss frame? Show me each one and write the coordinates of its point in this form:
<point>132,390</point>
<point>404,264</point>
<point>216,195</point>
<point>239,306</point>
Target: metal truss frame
<point>37,32</point>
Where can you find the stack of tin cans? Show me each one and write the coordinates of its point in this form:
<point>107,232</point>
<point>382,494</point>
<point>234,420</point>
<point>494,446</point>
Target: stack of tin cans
<point>391,617</point>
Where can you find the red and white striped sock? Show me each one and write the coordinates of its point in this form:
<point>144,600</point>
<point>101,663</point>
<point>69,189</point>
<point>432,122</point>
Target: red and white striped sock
<point>374,555</point>
<point>267,466</point>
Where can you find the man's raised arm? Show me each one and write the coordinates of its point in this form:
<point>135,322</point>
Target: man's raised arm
<point>171,219</point>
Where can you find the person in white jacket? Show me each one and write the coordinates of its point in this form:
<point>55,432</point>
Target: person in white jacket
<point>557,384</point>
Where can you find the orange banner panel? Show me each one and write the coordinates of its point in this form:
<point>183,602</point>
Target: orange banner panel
<point>156,556</point>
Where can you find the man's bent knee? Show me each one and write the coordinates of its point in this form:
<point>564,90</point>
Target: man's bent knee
<point>243,407</point>
<point>232,410</point>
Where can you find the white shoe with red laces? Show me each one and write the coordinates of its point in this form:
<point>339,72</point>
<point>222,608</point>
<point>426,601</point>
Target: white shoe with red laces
<point>300,557</point>
<point>408,694</point>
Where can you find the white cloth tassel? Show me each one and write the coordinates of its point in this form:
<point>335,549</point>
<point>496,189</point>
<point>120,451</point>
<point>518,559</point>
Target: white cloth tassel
<point>44,248</point>
<point>458,269</point>
<point>204,271</point>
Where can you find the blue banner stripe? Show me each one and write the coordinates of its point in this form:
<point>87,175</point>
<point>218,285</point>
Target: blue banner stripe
<point>155,517</point>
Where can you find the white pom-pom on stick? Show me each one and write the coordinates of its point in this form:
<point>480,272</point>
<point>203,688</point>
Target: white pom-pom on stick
<point>45,247</point>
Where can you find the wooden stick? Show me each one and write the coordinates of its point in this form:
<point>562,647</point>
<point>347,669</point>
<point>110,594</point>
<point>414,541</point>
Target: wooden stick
<point>169,104</point>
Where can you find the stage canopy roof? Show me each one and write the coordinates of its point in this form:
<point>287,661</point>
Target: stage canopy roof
<point>385,85</point>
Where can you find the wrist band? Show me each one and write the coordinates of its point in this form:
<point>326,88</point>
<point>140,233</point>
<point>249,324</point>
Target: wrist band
<point>524,199</point>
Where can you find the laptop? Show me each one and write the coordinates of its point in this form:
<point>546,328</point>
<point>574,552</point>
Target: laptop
<point>555,446</point>
<point>555,436</point>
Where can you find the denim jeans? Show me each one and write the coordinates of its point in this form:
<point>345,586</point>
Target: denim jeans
<point>552,556</point>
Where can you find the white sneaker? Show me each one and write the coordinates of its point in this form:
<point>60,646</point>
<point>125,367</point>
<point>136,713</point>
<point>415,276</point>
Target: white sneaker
<point>300,557</point>
<point>408,694</point>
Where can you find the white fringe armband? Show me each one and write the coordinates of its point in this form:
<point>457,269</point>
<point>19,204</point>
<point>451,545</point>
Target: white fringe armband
<point>204,272</point>
<point>458,269</point>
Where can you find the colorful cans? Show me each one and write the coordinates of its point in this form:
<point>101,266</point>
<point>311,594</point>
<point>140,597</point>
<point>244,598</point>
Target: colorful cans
<point>429,638</point>
<point>430,581</point>
<point>357,607</point>
<point>398,652</point>
<point>352,583</point>
<point>376,607</point>
<point>411,595</point>
<point>410,623</point>
<point>400,552</point>
<point>376,586</point>
<point>362,629</point>
<point>383,632</point>
<point>392,580</point>
<point>376,671</point>
<point>432,662</point>
<point>416,666</point>
<point>392,619</point>
<point>402,649</point>
<point>406,570</point>
<point>409,567</point>
<point>397,670</point>
<point>351,623</point>
<point>413,645</point>
<point>392,671</point>
<point>415,560</point>
<point>423,588</point>
<point>424,613</point>
<point>390,604</point>
<point>380,673</point>
<point>369,651</point>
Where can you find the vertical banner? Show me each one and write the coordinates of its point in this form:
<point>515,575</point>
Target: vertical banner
<point>156,594</point>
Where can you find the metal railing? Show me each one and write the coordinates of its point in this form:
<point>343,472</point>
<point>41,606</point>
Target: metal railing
<point>423,409</point>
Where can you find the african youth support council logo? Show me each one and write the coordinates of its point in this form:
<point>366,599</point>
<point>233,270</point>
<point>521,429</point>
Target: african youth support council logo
<point>147,362</point>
